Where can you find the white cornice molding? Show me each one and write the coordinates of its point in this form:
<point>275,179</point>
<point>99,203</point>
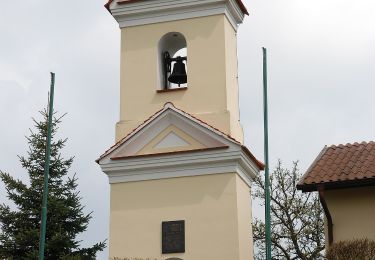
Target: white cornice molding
<point>231,160</point>
<point>156,11</point>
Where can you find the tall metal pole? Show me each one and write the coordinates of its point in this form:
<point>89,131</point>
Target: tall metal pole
<point>43,227</point>
<point>266,159</point>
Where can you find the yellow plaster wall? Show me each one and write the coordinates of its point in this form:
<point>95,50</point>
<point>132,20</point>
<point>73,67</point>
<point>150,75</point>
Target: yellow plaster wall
<point>353,213</point>
<point>212,88</point>
<point>245,231</point>
<point>211,205</point>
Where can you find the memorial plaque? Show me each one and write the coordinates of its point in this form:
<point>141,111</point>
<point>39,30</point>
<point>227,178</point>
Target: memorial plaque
<point>173,237</point>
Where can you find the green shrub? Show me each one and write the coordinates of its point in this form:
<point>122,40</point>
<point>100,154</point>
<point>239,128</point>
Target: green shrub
<point>356,249</point>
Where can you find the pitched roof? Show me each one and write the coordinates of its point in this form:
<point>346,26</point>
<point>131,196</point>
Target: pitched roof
<point>341,166</point>
<point>170,105</point>
<point>239,2</point>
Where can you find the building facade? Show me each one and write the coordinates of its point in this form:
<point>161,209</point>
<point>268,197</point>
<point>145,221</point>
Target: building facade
<point>180,175</point>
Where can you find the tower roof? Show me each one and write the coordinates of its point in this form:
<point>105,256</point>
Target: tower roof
<point>121,2</point>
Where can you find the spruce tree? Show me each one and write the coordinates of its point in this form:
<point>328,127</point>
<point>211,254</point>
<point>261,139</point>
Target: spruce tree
<point>20,224</point>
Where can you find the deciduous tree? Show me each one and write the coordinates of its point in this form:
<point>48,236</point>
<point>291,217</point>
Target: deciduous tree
<point>297,226</point>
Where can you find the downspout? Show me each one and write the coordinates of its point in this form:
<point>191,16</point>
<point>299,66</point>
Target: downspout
<point>327,213</point>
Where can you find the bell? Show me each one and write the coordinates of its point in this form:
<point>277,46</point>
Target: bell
<point>178,75</point>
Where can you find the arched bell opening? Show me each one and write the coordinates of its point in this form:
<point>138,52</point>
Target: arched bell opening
<point>172,61</point>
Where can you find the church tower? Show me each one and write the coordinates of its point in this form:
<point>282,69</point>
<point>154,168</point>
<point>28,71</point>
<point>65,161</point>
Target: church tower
<point>180,176</point>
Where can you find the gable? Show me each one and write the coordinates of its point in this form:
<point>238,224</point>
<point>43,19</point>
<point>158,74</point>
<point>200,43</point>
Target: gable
<point>171,139</point>
<point>173,143</point>
<point>166,132</point>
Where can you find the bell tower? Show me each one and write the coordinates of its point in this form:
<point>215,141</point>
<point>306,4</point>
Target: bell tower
<point>206,32</point>
<point>180,176</point>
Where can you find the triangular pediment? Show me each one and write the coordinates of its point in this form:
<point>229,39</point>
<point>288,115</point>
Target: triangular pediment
<point>171,139</point>
<point>168,131</point>
<point>173,143</point>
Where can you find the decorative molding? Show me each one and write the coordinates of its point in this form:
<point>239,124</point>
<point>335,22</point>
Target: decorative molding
<point>157,11</point>
<point>232,160</point>
<point>168,153</point>
<point>220,153</point>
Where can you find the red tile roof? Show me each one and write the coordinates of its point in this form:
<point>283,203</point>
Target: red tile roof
<point>239,2</point>
<point>341,166</point>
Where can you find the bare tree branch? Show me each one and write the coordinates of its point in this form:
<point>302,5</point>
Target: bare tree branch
<point>297,228</point>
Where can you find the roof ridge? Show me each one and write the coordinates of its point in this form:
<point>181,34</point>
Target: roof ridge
<point>350,144</point>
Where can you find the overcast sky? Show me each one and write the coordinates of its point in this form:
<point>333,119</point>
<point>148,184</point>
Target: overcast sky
<point>321,82</point>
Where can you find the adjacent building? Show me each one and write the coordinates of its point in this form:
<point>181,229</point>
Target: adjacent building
<point>344,177</point>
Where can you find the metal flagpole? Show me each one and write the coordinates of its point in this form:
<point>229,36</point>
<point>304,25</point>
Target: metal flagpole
<point>266,159</point>
<point>46,172</point>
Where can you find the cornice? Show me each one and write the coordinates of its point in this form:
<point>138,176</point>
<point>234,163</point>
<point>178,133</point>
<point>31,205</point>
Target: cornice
<point>156,11</point>
<point>181,165</point>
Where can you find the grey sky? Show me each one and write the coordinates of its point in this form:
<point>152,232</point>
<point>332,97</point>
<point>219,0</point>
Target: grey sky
<point>321,81</point>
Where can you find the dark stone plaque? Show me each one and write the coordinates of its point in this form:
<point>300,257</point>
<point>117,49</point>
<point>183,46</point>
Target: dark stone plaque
<point>173,237</point>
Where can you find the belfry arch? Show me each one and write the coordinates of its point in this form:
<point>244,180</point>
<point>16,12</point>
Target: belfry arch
<point>175,44</point>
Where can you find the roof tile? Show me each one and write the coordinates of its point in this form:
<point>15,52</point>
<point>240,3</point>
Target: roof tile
<point>341,163</point>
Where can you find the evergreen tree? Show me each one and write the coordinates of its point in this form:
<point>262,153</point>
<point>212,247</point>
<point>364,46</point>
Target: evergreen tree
<point>19,227</point>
